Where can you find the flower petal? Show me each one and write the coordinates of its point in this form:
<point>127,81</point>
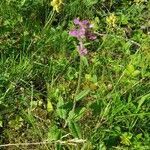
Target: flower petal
<point>85,22</point>
<point>76,21</point>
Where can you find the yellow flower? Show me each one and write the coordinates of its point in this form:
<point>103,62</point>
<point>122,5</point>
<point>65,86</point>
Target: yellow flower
<point>111,20</point>
<point>56,4</point>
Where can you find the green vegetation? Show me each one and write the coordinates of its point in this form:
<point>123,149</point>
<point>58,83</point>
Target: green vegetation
<point>52,98</point>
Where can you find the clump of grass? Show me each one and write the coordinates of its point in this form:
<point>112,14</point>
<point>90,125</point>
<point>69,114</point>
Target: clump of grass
<point>45,100</point>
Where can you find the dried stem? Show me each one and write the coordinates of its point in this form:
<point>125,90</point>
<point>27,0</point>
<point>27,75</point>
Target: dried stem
<point>69,142</point>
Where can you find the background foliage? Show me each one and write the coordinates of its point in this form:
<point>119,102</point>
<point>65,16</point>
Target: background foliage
<point>39,70</point>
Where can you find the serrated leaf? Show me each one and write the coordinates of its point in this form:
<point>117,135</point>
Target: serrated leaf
<point>75,129</point>
<point>82,94</point>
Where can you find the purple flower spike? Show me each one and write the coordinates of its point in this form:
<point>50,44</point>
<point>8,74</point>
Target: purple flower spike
<point>82,31</point>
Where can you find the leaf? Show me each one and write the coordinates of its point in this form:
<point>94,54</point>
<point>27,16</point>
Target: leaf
<point>61,112</point>
<point>124,19</point>
<point>71,115</point>
<point>97,20</point>
<point>54,133</point>
<point>75,129</point>
<point>125,138</point>
<point>136,73</point>
<point>79,113</point>
<point>49,106</point>
<point>85,61</point>
<point>130,69</point>
<point>142,100</point>
<point>82,94</point>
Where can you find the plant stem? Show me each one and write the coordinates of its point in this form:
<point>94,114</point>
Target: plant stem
<point>50,18</point>
<point>78,85</point>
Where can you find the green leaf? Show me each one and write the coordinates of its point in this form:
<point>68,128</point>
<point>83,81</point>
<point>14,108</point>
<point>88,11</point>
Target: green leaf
<point>124,19</point>
<point>79,113</point>
<point>136,73</point>
<point>49,106</point>
<point>125,138</point>
<point>142,100</point>
<point>130,69</point>
<point>71,115</point>
<point>61,112</point>
<point>82,94</point>
<point>75,129</point>
<point>54,133</point>
<point>85,61</point>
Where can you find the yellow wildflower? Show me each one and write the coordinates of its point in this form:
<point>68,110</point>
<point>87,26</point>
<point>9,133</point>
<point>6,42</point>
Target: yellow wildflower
<point>111,20</point>
<point>56,4</point>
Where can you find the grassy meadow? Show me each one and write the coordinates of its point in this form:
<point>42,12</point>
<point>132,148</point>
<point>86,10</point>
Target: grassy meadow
<point>52,97</point>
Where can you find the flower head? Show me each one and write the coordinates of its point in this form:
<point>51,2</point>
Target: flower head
<point>83,30</point>
<point>56,5</point>
<point>111,20</point>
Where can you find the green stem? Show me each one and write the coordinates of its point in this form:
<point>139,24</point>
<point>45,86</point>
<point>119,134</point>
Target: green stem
<point>78,85</point>
<point>50,18</point>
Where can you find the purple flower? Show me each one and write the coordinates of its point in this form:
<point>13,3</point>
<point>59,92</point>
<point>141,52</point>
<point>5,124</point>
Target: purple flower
<point>76,21</point>
<point>85,22</point>
<point>81,49</point>
<point>80,23</point>
<point>78,33</point>
<point>83,30</point>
